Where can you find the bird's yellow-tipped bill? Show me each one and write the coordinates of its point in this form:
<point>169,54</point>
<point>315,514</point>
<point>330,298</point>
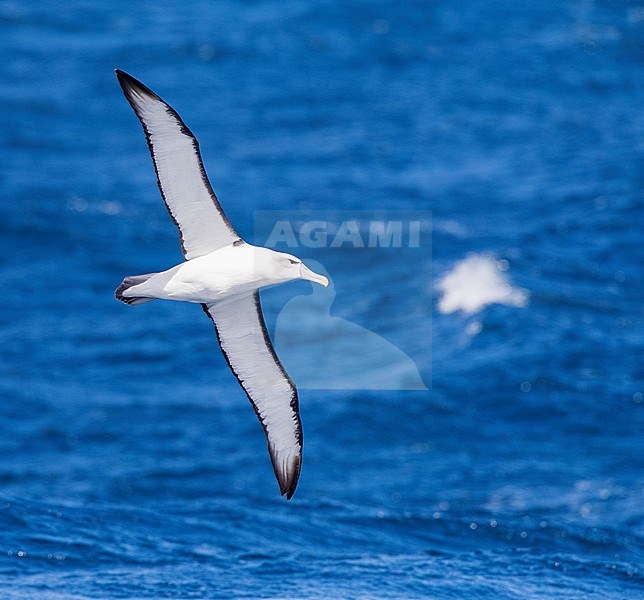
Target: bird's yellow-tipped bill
<point>306,273</point>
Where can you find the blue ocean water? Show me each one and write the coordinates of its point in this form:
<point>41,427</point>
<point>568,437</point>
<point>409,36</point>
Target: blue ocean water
<point>131,464</point>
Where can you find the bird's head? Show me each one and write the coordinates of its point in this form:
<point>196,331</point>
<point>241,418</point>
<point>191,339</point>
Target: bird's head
<point>286,267</point>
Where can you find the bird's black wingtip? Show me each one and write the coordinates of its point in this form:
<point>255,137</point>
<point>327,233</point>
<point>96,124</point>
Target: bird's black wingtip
<point>288,480</point>
<point>131,85</point>
<point>287,491</point>
<point>127,79</point>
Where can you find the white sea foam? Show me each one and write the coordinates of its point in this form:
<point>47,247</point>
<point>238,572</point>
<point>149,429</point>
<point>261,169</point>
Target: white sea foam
<point>475,282</point>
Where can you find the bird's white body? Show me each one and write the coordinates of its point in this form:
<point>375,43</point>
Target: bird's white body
<point>224,273</point>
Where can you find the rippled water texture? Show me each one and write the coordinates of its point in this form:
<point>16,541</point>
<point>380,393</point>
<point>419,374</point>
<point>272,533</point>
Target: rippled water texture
<point>131,464</point>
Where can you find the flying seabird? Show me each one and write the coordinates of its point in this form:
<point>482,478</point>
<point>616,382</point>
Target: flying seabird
<point>223,273</point>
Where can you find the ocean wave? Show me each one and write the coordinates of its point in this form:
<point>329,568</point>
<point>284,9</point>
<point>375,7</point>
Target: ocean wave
<point>476,282</point>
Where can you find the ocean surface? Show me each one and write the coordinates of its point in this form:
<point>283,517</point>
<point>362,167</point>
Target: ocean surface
<point>491,446</point>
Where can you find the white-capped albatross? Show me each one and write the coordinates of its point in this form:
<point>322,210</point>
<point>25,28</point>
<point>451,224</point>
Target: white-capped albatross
<point>223,274</point>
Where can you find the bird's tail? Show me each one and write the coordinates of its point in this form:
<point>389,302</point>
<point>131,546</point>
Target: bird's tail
<point>128,282</point>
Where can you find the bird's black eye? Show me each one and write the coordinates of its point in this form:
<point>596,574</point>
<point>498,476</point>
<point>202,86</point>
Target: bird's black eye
<point>293,262</point>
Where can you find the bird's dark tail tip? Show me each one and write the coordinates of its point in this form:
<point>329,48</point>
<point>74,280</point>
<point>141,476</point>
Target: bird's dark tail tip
<point>129,282</point>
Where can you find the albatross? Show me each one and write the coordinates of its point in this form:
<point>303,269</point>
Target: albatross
<point>224,274</point>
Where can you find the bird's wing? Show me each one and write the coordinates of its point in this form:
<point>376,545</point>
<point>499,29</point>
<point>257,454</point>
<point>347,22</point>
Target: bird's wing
<point>186,191</point>
<point>245,342</point>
